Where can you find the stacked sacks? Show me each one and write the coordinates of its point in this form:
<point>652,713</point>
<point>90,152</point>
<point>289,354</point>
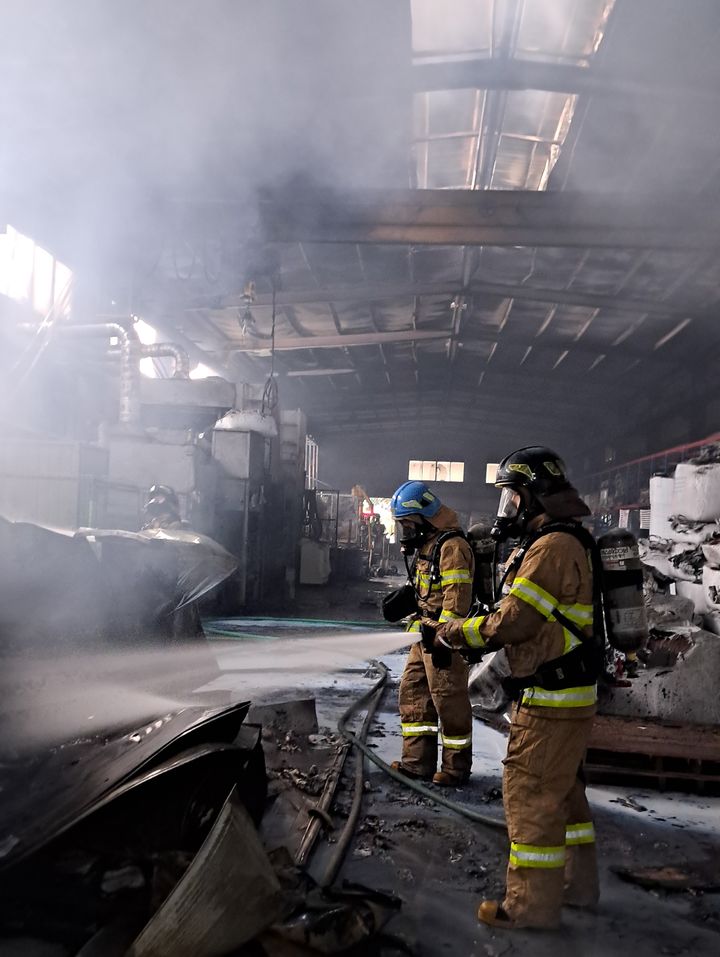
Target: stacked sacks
<point>684,543</point>
<point>682,673</point>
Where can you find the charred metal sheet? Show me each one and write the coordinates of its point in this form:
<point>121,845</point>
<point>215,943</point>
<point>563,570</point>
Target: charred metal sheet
<point>97,884</point>
<point>45,794</point>
<point>228,895</point>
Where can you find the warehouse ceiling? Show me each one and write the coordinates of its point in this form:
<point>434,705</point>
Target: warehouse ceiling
<point>242,150</point>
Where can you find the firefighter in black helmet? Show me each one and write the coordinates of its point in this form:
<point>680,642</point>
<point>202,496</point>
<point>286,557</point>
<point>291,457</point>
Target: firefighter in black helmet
<point>545,616</point>
<point>162,508</point>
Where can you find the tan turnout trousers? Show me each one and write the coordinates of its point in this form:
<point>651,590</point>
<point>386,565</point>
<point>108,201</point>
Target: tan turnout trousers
<point>552,858</point>
<point>435,701</point>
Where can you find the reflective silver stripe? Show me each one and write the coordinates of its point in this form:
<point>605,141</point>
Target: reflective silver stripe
<point>543,602</point>
<point>580,833</point>
<point>425,581</point>
<point>533,855</point>
<point>413,729</point>
<point>447,615</point>
<point>581,697</point>
<point>471,631</point>
<point>579,614</point>
<point>460,576</point>
<point>457,743</point>
<point>535,596</point>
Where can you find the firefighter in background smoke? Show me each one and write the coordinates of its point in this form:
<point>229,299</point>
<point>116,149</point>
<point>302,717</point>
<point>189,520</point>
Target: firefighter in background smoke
<point>434,700</point>
<point>552,851</point>
<point>162,511</point>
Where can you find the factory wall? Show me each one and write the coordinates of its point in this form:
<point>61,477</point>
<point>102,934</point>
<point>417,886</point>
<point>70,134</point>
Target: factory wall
<point>380,464</point>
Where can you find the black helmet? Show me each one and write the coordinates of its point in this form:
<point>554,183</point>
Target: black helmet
<point>162,500</point>
<point>536,468</point>
<point>542,472</point>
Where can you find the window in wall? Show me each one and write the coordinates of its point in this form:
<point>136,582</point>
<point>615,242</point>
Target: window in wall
<point>29,273</point>
<point>426,470</point>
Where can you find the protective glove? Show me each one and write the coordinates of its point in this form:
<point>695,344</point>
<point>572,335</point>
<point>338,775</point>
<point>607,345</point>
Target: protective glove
<point>440,651</point>
<point>451,632</point>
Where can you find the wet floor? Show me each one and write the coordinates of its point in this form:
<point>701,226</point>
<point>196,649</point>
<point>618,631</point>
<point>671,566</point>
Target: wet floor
<point>441,865</point>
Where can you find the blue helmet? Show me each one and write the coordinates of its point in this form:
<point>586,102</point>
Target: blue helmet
<point>414,498</point>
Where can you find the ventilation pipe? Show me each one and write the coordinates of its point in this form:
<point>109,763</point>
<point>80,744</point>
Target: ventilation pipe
<point>129,364</point>
<point>131,351</point>
<point>182,359</point>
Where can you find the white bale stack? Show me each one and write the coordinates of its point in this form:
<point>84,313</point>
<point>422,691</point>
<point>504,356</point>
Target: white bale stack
<point>661,498</point>
<point>695,592</point>
<point>696,492</point>
<point>684,518</point>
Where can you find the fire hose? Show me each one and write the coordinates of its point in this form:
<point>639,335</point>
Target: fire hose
<point>371,699</point>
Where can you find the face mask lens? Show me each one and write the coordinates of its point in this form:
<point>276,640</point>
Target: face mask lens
<point>508,507</point>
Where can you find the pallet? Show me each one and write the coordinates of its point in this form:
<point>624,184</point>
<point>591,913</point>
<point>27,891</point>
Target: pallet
<point>654,753</point>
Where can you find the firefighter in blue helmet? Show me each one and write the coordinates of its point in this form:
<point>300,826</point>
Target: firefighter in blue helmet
<point>434,700</point>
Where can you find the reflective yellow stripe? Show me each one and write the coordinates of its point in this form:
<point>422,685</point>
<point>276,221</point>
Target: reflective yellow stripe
<point>535,855</point>
<point>471,631</point>
<point>580,833</point>
<point>535,596</point>
<point>581,697</point>
<point>456,576</point>
<point>415,729</point>
<point>570,641</point>
<point>414,626</point>
<point>579,614</point>
<point>412,503</point>
<point>543,602</point>
<point>447,615</point>
<point>457,743</point>
<point>425,581</point>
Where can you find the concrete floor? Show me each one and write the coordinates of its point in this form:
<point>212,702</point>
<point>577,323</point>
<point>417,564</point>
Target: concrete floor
<point>441,865</point>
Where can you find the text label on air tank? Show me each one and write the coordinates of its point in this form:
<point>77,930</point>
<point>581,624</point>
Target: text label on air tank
<point>615,559</point>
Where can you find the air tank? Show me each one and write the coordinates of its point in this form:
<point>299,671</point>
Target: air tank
<point>625,613</point>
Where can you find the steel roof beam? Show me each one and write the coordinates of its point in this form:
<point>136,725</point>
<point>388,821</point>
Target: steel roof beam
<point>346,341</point>
<point>492,218</point>
<point>379,292</point>
<point>520,74</point>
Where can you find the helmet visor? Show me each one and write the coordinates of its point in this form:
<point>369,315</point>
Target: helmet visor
<point>509,504</point>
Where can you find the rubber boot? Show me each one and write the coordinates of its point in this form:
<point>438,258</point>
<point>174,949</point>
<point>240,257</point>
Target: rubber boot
<point>492,913</point>
<point>447,780</point>
<point>412,775</point>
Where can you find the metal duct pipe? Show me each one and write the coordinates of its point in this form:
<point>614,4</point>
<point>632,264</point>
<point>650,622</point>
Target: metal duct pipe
<point>129,364</point>
<point>182,359</point>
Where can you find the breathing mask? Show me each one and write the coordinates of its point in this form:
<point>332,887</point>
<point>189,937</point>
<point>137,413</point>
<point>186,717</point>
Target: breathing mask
<point>513,516</point>
<point>412,536</point>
